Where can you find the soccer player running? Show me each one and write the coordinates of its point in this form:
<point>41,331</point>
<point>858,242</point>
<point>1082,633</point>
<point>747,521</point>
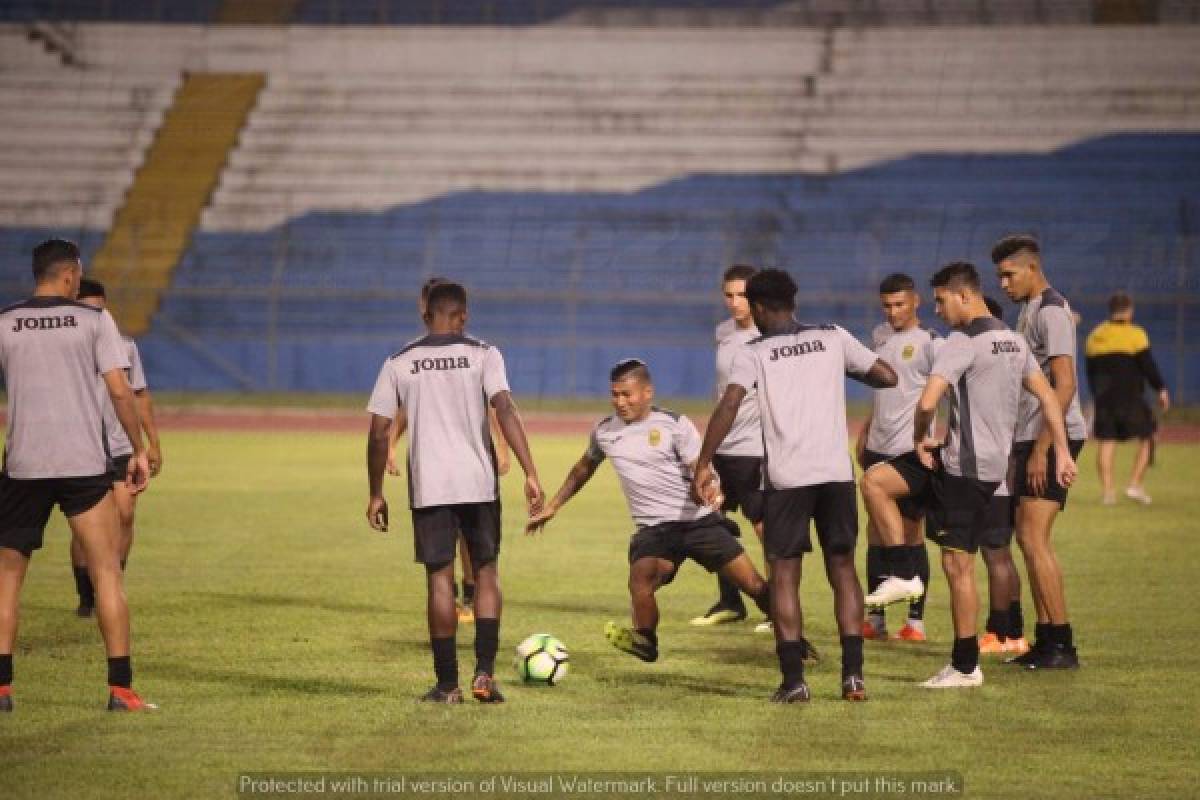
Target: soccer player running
<point>92,293</point>
<point>653,451</point>
<point>798,372</point>
<point>908,347</point>
<point>1048,326</point>
<point>983,366</point>
<point>466,608</point>
<point>738,461</point>
<point>1119,365</point>
<point>443,383</point>
<point>51,350</point>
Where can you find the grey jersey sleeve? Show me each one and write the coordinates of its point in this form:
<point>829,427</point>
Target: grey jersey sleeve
<point>743,372</point>
<point>594,454</point>
<point>385,398</point>
<point>1031,366</point>
<point>1057,330</point>
<point>859,358</point>
<point>495,379</point>
<point>109,347</point>
<point>953,358</point>
<point>687,441</point>
<point>137,375</point>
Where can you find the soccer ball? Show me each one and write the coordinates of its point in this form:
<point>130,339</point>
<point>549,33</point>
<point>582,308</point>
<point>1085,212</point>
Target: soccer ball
<point>541,659</point>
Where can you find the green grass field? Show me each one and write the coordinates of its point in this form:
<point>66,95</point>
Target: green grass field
<point>278,632</point>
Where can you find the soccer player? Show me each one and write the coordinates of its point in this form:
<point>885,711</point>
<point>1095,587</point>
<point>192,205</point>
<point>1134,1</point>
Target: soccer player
<point>798,372</point>
<point>1048,326</point>
<point>738,461</point>
<point>653,451</point>
<point>51,350</point>
<point>464,609</point>
<point>92,293</point>
<point>444,382</point>
<point>1004,632</point>
<point>983,366</point>
<point>908,347</point>
<point>1119,365</point>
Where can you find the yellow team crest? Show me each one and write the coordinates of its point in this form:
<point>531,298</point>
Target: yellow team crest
<point>907,352</point>
<point>655,437</point>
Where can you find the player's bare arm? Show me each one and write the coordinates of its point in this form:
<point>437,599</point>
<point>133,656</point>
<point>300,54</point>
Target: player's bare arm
<point>378,440</point>
<point>503,460</point>
<point>576,479</point>
<point>122,400</point>
<point>398,427</point>
<point>1052,413</point>
<point>935,388</point>
<point>1062,381</point>
<point>513,429</point>
<point>145,408</point>
<point>704,487</point>
<point>860,444</point>
<point>879,376</point>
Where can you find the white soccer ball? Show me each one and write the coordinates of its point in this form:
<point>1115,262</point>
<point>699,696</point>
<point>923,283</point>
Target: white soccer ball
<point>542,660</point>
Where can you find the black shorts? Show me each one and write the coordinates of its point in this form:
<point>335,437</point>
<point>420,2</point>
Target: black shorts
<point>120,468</point>
<point>1020,482</point>
<point>1123,421</point>
<point>25,506</point>
<point>955,506</point>
<point>996,522</point>
<point>436,530</point>
<point>707,541</point>
<point>909,508</point>
<point>833,507</point>
<point>741,483</point>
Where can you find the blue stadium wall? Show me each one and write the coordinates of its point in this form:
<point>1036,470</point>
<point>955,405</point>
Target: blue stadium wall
<point>566,284</point>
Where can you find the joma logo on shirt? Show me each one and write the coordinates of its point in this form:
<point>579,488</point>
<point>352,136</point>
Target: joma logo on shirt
<point>43,323</point>
<point>427,364</point>
<point>802,349</point>
<point>1005,347</point>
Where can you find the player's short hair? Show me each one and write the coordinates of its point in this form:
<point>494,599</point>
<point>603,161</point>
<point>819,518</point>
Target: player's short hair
<point>994,308</point>
<point>1009,246</point>
<point>897,282</point>
<point>773,289</point>
<point>956,275</point>
<point>49,254</point>
<point>630,368</point>
<point>428,285</point>
<point>1120,301</point>
<point>738,272</point>
<point>91,288</point>
<point>445,297</point>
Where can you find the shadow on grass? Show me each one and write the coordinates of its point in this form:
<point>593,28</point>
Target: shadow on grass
<point>227,599</point>
<point>569,606</point>
<point>689,683</point>
<point>263,682</point>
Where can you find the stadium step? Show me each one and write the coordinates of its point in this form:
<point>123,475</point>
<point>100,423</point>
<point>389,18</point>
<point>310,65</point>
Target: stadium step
<point>153,228</point>
<point>257,12</point>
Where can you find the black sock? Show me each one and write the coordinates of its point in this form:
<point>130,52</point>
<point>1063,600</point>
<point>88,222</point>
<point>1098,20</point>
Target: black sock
<point>487,641</point>
<point>852,656</point>
<point>468,593</point>
<point>1016,620</point>
<point>5,669</point>
<point>997,623</point>
<point>791,661</point>
<point>920,559</point>
<point>122,565</point>
<point>1041,633</point>
<point>1061,635</point>
<point>650,634</point>
<point>965,655</point>
<point>120,672</point>
<point>897,561</point>
<point>874,567</point>
<point>445,661</point>
<point>84,587</point>
<point>730,596</point>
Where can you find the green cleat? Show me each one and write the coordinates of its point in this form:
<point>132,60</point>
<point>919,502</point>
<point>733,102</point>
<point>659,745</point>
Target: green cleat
<point>630,641</point>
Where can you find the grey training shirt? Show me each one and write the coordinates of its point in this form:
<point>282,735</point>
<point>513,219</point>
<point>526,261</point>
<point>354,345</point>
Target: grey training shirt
<point>653,459</point>
<point>51,350</point>
<point>800,378</point>
<point>745,437</point>
<point>1048,326</point>
<point>910,353</point>
<point>118,440</point>
<point>985,364</point>
<point>444,382</point>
